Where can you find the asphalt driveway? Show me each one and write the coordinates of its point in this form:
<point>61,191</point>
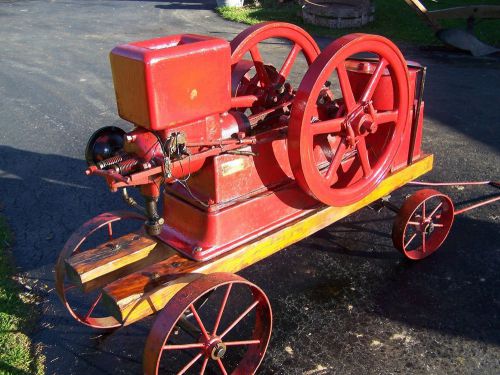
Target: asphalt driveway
<point>344,300</point>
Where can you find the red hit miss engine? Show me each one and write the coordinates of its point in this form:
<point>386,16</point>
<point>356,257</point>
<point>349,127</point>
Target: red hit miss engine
<point>241,151</point>
<point>249,164</point>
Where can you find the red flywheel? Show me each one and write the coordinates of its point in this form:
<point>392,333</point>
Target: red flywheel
<point>341,145</point>
<point>252,75</point>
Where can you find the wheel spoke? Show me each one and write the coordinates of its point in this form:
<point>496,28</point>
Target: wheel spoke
<point>245,342</point>
<point>288,64</point>
<point>259,65</point>
<point>68,288</point>
<point>363,156</point>
<point>345,86</point>
<point>243,314</point>
<point>190,364</point>
<point>335,164</point>
<point>328,126</point>
<point>204,366</point>
<point>415,223</point>
<point>200,323</point>
<point>424,229</point>
<point>431,215</point>
<point>374,80</point>
<point>91,310</point>
<point>221,366</point>
<point>222,307</point>
<point>411,239</point>
<point>386,117</point>
<point>110,231</point>
<point>195,345</point>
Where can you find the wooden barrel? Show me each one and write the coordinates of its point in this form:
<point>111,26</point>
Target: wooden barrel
<point>338,14</point>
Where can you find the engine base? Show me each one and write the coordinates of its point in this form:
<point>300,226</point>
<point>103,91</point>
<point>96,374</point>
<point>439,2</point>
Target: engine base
<point>202,233</point>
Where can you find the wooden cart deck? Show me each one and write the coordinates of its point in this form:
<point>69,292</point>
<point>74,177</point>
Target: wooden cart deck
<point>139,275</point>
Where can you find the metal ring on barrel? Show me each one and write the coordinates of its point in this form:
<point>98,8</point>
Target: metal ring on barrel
<point>211,343</point>
<point>267,79</point>
<point>72,247</point>
<point>359,119</point>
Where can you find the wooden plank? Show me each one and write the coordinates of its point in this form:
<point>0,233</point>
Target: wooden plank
<point>146,292</point>
<point>116,258</point>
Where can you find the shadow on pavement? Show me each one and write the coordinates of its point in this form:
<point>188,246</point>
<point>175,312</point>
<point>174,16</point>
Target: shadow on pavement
<point>456,291</point>
<point>49,196</point>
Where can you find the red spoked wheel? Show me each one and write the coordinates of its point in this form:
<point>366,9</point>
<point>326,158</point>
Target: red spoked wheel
<point>85,307</point>
<point>341,147</point>
<point>423,223</point>
<point>256,77</point>
<point>227,333</point>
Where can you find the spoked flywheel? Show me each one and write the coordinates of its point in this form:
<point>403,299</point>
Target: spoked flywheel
<point>254,76</point>
<point>85,306</point>
<point>227,333</point>
<point>341,146</point>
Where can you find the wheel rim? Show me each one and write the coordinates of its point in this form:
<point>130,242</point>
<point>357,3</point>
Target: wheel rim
<point>350,133</point>
<point>73,245</point>
<point>423,223</point>
<point>210,345</point>
<point>268,83</point>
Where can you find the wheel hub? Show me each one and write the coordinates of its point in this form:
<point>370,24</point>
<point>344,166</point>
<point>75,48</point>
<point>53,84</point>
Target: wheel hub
<point>214,347</point>
<point>359,123</point>
<point>218,351</point>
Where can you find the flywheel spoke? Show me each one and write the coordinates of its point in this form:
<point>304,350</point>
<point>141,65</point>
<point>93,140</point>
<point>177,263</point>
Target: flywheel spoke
<point>289,61</point>
<point>386,117</point>
<point>328,126</point>
<point>374,80</point>
<point>335,164</point>
<point>345,86</point>
<point>363,156</point>
<point>259,66</point>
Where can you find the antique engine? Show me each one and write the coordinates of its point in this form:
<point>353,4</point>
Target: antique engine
<point>236,149</point>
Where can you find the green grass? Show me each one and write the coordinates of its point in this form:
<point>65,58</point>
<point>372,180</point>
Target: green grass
<point>393,19</point>
<point>18,356</point>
